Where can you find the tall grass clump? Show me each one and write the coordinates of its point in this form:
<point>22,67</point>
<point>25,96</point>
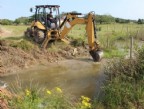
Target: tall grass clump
<point>23,44</point>
<point>124,87</point>
<point>37,97</point>
<point>41,99</point>
<point>113,40</point>
<point>117,53</point>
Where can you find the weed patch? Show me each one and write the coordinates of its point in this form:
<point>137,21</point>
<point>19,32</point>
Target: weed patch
<point>23,44</point>
<point>124,86</point>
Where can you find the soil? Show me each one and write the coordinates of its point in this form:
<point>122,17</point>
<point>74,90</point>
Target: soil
<point>14,59</point>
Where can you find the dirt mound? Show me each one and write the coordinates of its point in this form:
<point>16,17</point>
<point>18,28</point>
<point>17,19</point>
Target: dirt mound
<point>13,59</point>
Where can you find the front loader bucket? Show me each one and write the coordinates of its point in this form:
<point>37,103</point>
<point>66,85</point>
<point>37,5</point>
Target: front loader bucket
<point>96,55</point>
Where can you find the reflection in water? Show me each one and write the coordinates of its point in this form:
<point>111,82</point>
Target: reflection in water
<point>74,76</point>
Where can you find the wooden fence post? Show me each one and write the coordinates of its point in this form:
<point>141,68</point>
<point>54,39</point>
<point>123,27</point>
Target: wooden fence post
<point>131,47</point>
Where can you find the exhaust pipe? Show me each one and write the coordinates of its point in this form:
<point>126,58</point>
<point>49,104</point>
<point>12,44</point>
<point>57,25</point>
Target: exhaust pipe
<point>96,55</point>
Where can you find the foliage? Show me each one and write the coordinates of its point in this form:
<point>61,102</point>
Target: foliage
<point>100,19</point>
<point>124,86</point>
<point>22,20</point>
<point>6,22</point>
<point>140,21</point>
<point>119,20</point>
<point>31,18</point>
<point>56,98</point>
<point>140,65</point>
<point>104,19</point>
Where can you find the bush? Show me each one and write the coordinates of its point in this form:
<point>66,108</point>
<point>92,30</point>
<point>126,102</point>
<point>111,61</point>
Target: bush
<point>6,22</point>
<point>124,87</point>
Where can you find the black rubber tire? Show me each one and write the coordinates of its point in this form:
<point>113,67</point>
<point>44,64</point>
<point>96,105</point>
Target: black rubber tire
<point>28,32</point>
<point>39,36</point>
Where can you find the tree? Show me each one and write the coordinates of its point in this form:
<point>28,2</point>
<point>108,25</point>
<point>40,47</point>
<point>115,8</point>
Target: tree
<point>22,20</point>
<point>105,19</point>
<point>6,22</point>
<point>120,20</point>
<point>140,21</point>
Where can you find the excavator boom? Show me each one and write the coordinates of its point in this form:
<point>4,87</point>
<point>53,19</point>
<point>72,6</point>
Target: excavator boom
<point>71,20</point>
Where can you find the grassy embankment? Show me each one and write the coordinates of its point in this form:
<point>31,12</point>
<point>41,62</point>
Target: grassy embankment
<point>114,38</point>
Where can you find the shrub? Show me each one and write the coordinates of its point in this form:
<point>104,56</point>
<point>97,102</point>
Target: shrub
<point>6,22</point>
<point>124,86</point>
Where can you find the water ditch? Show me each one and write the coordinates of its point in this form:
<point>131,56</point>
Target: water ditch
<point>77,77</point>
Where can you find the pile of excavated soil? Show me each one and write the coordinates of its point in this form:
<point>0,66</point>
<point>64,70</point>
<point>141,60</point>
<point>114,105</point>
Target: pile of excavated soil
<point>13,59</point>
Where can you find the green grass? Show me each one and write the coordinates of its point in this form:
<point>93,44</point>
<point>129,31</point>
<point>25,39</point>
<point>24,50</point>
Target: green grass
<point>111,53</point>
<point>15,30</point>
<point>78,35</point>
<point>119,32</point>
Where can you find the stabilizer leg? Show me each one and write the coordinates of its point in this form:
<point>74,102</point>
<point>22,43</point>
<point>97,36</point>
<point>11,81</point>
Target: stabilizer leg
<point>45,42</point>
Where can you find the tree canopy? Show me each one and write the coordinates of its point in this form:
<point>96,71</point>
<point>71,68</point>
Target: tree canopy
<point>100,19</point>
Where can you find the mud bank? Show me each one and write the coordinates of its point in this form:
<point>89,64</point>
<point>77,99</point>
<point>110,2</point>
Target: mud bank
<point>14,59</point>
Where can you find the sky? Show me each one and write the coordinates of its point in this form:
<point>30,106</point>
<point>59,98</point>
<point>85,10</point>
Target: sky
<point>127,9</point>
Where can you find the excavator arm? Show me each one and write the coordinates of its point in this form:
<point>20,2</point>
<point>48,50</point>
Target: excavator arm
<point>72,19</point>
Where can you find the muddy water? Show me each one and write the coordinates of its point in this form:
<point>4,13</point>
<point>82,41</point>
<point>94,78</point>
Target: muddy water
<point>78,77</point>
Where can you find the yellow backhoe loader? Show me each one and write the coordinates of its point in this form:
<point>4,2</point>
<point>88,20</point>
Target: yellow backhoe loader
<point>49,26</point>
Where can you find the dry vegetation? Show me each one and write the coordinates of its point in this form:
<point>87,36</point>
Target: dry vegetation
<point>16,55</point>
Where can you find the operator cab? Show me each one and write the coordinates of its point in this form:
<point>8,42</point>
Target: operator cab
<point>48,15</point>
